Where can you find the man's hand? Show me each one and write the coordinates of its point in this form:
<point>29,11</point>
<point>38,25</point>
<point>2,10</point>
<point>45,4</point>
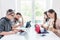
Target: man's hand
<point>9,33</point>
<point>16,30</point>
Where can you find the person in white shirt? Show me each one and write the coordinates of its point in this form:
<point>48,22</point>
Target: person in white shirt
<point>54,22</point>
<point>46,21</point>
<point>18,20</point>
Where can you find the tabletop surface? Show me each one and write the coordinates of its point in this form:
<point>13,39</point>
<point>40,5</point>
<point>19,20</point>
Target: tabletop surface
<point>30,34</point>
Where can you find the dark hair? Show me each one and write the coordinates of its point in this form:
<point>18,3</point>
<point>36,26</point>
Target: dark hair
<point>11,12</point>
<point>18,13</point>
<point>55,17</point>
<point>46,15</point>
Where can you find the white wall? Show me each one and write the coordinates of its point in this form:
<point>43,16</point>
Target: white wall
<point>5,5</point>
<point>53,4</point>
<point>11,4</point>
<point>18,6</point>
<point>56,6</point>
<point>48,6</point>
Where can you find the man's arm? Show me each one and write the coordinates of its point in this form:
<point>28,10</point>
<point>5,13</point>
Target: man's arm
<point>7,33</point>
<point>2,29</point>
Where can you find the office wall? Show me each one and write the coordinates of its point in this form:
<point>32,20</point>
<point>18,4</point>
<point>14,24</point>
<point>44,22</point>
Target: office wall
<point>56,6</point>
<point>5,5</point>
<point>48,4</point>
<point>11,4</point>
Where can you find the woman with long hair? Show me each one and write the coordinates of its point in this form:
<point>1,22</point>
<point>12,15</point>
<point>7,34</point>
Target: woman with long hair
<point>54,24</point>
<point>45,22</point>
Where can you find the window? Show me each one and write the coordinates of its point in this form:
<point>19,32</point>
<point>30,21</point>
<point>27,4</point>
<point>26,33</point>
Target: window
<point>32,9</point>
<point>26,9</point>
<point>40,6</point>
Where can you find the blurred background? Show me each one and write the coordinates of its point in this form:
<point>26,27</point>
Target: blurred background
<point>30,9</point>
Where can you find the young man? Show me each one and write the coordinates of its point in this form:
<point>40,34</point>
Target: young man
<point>6,25</point>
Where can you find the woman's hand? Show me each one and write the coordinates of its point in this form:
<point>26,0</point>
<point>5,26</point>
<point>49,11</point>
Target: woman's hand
<point>44,26</point>
<point>53,30</point>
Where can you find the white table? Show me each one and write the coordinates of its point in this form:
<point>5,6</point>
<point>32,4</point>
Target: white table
<point>13,37</point>
<point>32,35</point>
<point>49,36</point>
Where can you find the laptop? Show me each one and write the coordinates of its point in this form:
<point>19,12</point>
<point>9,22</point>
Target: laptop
<point>28,24</point>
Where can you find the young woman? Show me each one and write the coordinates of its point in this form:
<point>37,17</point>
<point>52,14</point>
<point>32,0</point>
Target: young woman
<point>45,22</point>
<point>54,22</point>
<point>18,20</point>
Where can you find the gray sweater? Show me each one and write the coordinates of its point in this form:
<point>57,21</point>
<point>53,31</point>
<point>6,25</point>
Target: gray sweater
<point>5,25</point>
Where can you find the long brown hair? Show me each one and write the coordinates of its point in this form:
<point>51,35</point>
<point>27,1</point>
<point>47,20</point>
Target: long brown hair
<point>55,17</point>
<point>47,16</point>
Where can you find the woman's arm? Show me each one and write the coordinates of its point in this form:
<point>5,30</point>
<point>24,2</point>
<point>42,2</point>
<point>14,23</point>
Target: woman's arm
<point>45,25</point>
